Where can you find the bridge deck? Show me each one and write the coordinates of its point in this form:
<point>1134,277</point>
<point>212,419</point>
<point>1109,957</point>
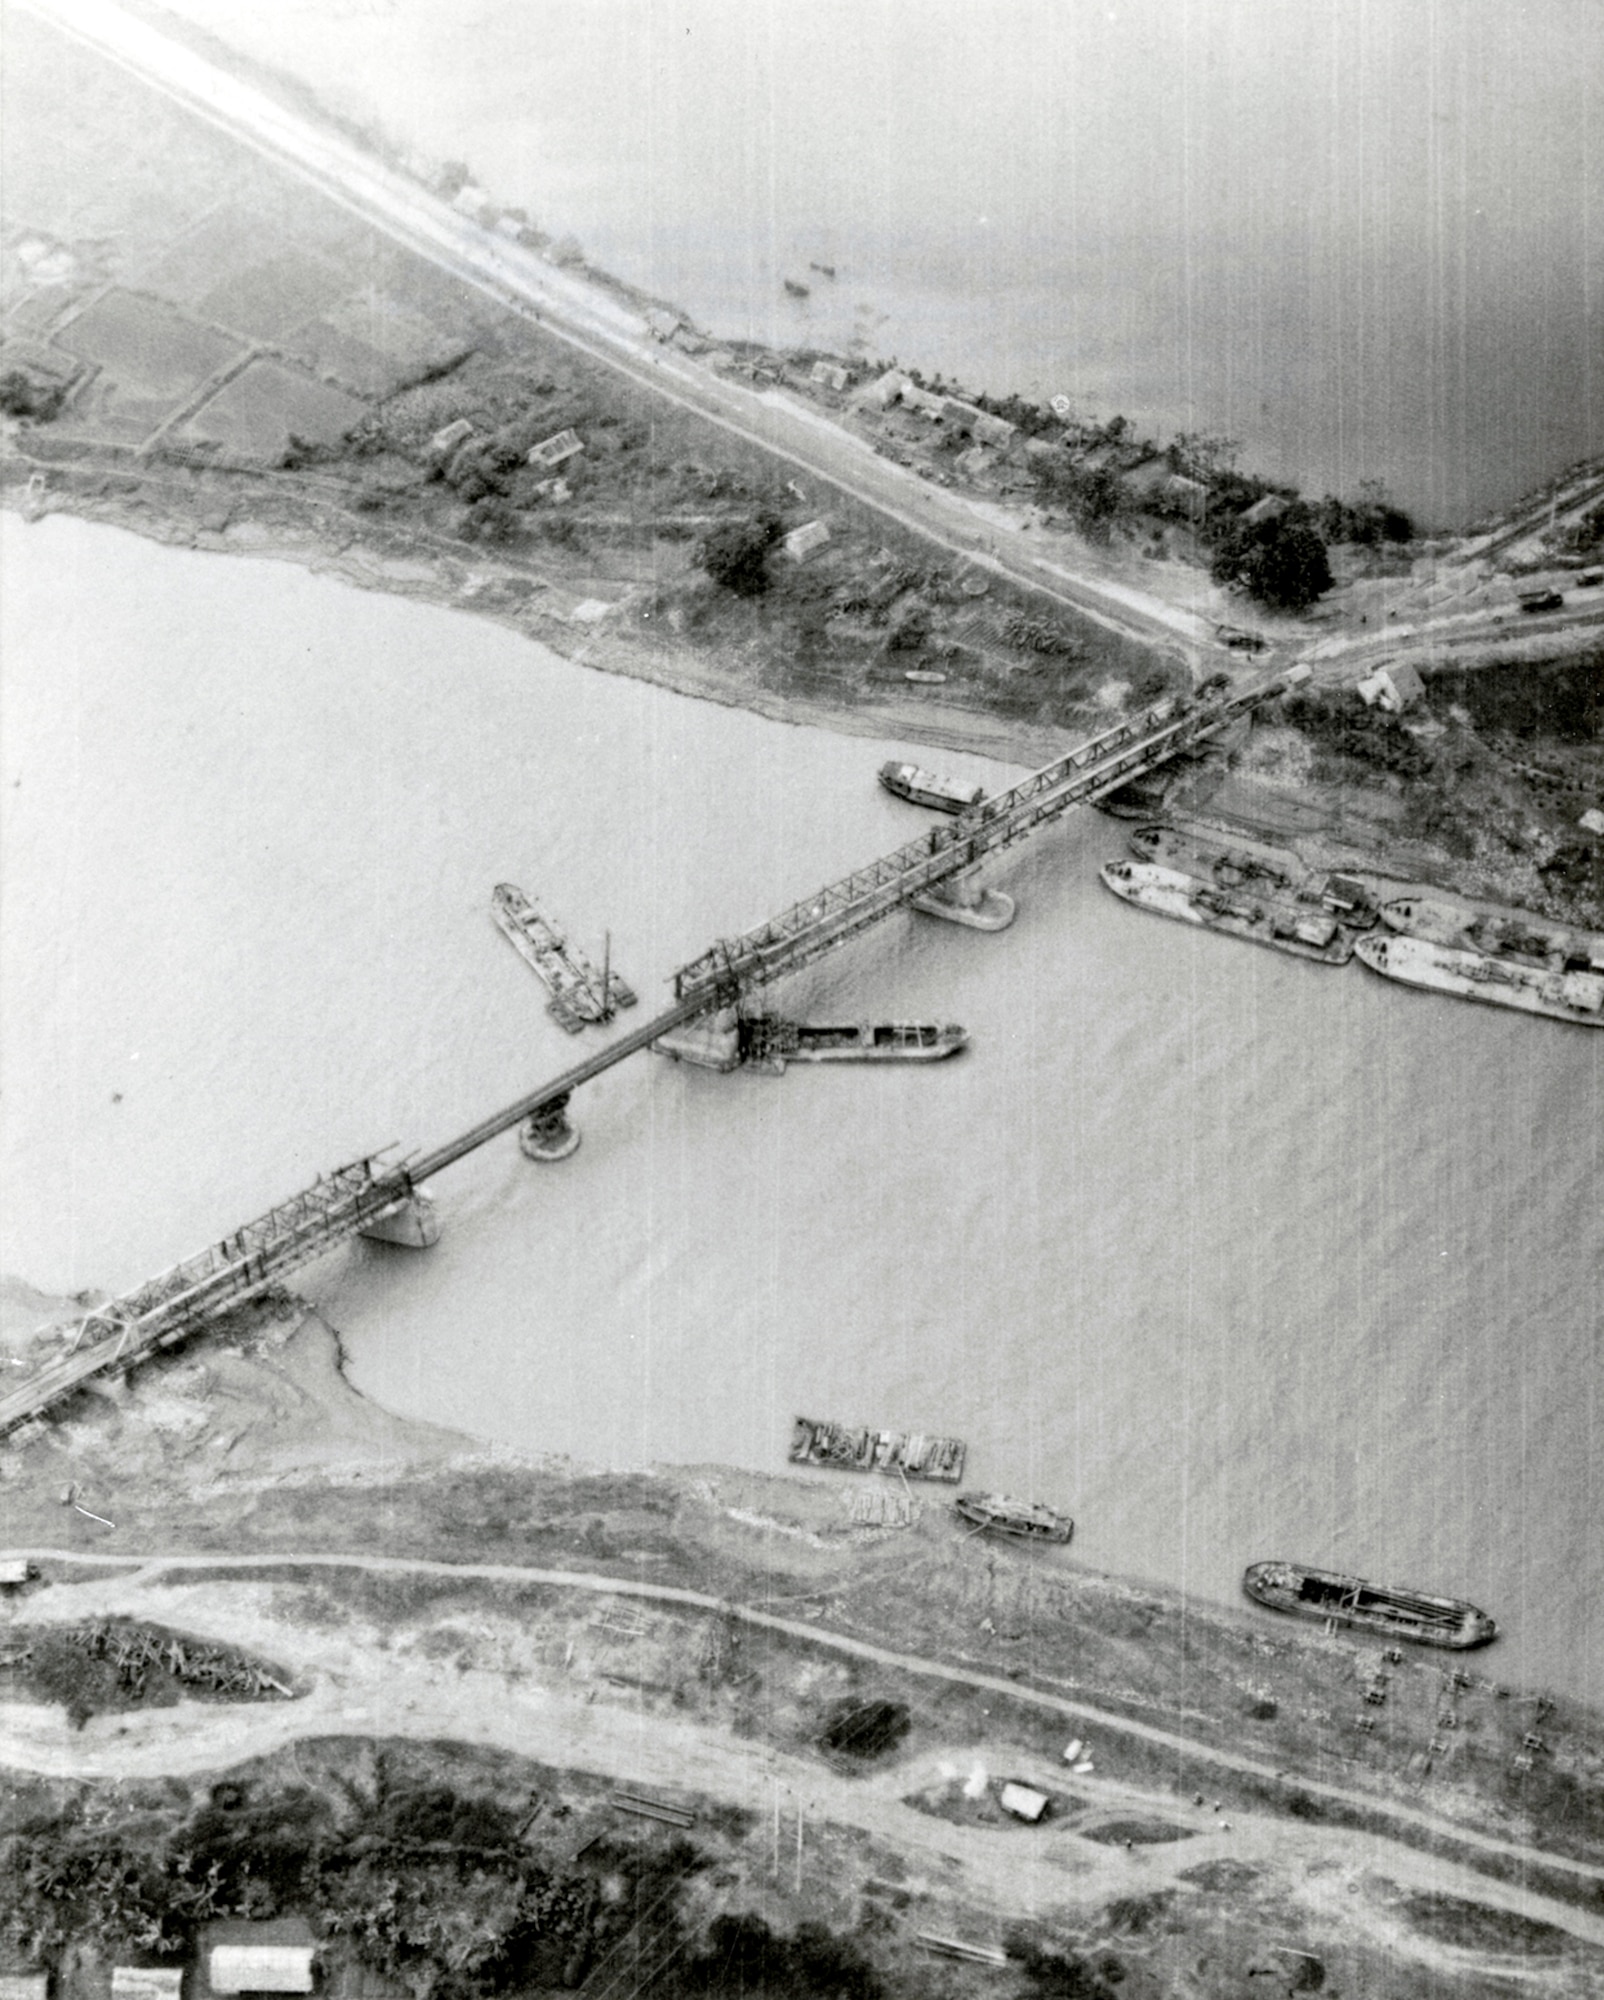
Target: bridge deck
<point>167,1308</point>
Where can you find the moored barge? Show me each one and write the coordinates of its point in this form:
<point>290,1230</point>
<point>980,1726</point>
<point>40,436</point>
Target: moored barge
<point>1025,1520</point>
<point>847,1449</point>
<point>1348,1600</point>
<point>1515,935</point>
<point>771,1042</point>
<point>924,788</point>
<point>1280,922</point>
<point>1577,997</point>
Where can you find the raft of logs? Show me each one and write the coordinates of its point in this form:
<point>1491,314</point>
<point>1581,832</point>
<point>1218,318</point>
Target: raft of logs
<point>135,1653</point>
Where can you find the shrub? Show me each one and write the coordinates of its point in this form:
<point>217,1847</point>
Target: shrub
<point>736,554</point>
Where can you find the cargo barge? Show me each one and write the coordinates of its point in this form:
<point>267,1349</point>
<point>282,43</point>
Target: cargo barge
<point>1348,1600</point>
<point>925,788</point>
<point>580,995</point>
<point>1577,997</point>
<point>1509,934</point>
<point>1280,922</point>
<point>845,1449</point>
<point>770,1042</point>
<point>1240,863</point>
<point>1024,1520</point>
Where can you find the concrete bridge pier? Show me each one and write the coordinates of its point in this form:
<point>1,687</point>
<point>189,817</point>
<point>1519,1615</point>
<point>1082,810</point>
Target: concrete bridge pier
<point>546,1134</point>
<point>963,900</point>
<point>711,1043</point>
<point>411,1222</point>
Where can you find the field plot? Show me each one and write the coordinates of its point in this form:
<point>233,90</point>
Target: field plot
<point>151,360</point>
<point>273,294</point>
<point>373,345</point>
<point>258,412</point>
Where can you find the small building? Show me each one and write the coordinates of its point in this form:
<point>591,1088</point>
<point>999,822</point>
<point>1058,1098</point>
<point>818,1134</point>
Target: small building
<point>472,202</point>
<point>24,1985</point>
<point>272,1957</point>
<point>444,442</point>
<point>987,429</point>
<point>1392,687</point>
<point>147,1982</point>
<point>1270,508</point>
<point>1191,493</point>
<point>884,390</point>
<point>662,324</point>
<point>923,401</point>
<point>801,542</point>
<point>829,375</point>
<point>15,1570</point>
<point>1023,1801</point>
<point>556,450</point>
<point>1592,821</point>
<point>973,462</point>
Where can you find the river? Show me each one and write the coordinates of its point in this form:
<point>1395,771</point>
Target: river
<point>1361,240</point>
<point>1229,1255</point>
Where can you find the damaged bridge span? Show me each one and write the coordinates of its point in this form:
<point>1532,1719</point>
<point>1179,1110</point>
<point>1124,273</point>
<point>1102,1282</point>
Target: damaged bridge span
<point>368,1197</point>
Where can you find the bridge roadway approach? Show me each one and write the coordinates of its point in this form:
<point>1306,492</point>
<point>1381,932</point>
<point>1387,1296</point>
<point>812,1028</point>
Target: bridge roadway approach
<point>369,1197</point>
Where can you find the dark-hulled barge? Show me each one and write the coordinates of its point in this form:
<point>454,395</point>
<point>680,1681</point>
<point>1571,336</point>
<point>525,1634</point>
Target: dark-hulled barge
<point>1349,1600</point>
<point>847,1449</point>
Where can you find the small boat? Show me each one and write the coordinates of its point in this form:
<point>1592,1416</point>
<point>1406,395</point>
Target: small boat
<point>1348,1600</point>
<point>768,1040</point>
<point>795,288</point>
<point>580,995</point>
<point>845,1449</point>
<point>924,788</point>
<point>1577,997</point>
<point>824,270</point>
<point>1514,935</point>
<point>1025,1520</point>
<point>1279,921</point>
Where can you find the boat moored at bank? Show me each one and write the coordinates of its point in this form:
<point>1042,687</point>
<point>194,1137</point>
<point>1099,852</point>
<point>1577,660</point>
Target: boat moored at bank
<point>1515,935</point>
<point>1279,921</point>
<point>926,788</point>
<point>1577,997</point>
<point>844,1448</point>
<point>1023,1520</point>
<point>1349,1600</point>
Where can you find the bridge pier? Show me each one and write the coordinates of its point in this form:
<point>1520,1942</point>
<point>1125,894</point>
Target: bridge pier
<point>962,900</point>
<point>411,1222</point>
<point>546,1134</point>
<point>711,1043</point>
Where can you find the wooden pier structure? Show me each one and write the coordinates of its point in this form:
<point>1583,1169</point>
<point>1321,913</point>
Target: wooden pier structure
<point>388,1202</point>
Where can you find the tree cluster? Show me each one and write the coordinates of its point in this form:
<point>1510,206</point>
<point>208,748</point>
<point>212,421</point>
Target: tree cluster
<point>22,396</point>
<point>736,554</point>
<point>1342,723</point>
<point>1281,562</point>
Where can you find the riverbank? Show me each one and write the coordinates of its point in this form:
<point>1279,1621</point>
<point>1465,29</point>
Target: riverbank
<point>411,1587</point>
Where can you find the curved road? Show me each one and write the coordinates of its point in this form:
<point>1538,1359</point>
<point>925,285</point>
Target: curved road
<point>150,1568</point>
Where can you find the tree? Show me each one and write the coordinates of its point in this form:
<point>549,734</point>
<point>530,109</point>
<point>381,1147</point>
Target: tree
<point>736,554</point>
<point>1281,562</point>
<point>21,396</point>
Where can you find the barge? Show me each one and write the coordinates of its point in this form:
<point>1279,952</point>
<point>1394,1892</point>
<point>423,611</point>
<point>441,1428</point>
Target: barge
<point>925,788</point>
<point>1239,862</point>
<point>1025,1520</point>
<point>1278,921</point>
<point>846,1449</point>
<point>771,1043</point>
<point>580,995</point>
<point>1348,1600</point>
<point>1509,934</point>
<point>1577,997</point>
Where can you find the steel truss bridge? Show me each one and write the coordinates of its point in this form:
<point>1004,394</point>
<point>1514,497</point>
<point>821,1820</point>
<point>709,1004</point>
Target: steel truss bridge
<point>366,1195</point>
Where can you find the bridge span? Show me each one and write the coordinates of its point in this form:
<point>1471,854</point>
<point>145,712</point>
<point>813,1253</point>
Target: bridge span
<point>368,1197</point>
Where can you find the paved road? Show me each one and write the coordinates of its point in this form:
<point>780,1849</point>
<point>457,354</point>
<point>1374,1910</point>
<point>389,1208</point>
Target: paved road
<point>607,330</point>
<point>1404,1818</point>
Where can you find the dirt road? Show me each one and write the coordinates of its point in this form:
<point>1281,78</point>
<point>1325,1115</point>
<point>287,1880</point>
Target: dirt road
<point>597,323</point>
<point>146,1573</point>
